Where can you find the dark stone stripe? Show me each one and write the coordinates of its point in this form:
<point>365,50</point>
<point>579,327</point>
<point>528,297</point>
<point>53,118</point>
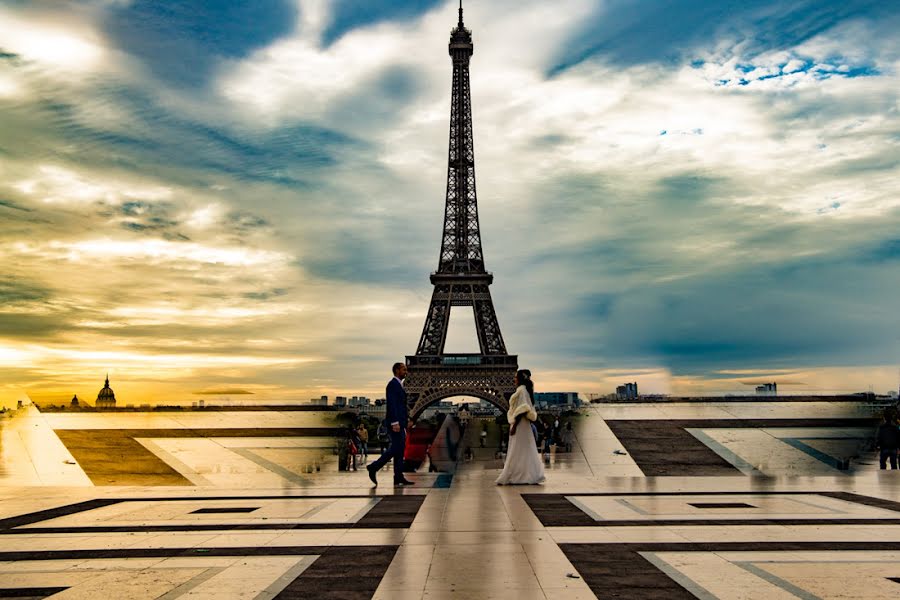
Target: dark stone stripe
<point>392,512</point>
<point>867,500</point>
<point>663,447</point>
<point>171,528</point>
<point>342,573</point>
<point>725,522</point>
<point>224,510</point>
<point>555,510</point>
<point>618,571</point>
<point>160,552</point>
<point>52,513</point>
<point>714,505</point>
<point>31,593</point>
<point>339,572</point>
<point>192,409</point>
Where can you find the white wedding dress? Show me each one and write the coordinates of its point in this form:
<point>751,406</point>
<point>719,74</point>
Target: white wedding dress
<point>523,463</point>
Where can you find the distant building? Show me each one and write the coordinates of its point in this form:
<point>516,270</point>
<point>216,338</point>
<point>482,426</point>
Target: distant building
<point>560,399</point>
<point>444,406</point>
<point>340,401</point>
<point>767,389</point>
<point>359,402</point>
<point>74,402</point>
<point>629,391</point>
<point>106,398</point>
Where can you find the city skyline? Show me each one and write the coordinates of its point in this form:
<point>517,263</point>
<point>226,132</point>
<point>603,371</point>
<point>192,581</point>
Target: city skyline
<point>696,197</point>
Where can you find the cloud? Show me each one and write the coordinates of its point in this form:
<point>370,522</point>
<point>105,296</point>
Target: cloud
<point>224,391</point>
<point>183,44</point>
<point>633,33</point>
<point>674,191</point>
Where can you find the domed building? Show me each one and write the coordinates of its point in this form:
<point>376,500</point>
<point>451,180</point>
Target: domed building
<point>106,398</point>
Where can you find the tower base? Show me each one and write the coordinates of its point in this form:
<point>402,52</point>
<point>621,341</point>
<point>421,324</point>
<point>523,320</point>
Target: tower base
<point>435,378</point>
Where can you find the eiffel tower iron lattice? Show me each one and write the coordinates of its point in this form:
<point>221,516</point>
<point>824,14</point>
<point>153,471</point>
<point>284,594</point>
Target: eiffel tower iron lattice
<point>461,278</point>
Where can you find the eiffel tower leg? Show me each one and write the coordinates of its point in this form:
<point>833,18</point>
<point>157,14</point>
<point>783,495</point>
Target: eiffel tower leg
<point>434,334</point>
<point>489,337</point>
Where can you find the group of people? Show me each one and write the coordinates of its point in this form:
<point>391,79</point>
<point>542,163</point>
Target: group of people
<point>523,461</point>
<point>554,434</point>
<point>356,443</point>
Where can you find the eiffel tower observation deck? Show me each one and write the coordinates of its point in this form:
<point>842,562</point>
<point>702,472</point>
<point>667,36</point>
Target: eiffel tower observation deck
<point>461,278</point>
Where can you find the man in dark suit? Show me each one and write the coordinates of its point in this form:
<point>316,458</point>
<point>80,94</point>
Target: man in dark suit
<point>396,421</point>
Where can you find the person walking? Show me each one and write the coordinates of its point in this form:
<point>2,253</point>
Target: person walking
<point>888,440</point>
<point>396,421</point>
<point>363,433</point>
<point>352,447</point>
<point>523,463</point>
<point>568,436</point>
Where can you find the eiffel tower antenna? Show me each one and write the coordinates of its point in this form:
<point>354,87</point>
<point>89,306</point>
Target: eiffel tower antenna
<point>461,278</point>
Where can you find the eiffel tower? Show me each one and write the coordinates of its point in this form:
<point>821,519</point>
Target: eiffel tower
<point>461,279</point>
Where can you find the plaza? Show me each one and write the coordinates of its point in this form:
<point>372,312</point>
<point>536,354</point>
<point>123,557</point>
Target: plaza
<point>768,499</point>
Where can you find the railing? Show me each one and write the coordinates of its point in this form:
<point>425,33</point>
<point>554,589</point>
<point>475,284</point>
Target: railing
<point>467,360</point>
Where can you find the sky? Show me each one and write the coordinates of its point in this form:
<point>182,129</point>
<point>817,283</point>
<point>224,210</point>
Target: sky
<point>244,200</point>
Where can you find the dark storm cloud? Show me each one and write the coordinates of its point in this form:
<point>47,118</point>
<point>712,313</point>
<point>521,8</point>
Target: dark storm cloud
<point>763,316</point>
<point>14,290</point>
<point>348,15</point>
<point>182,43</point>
<point>243,221</point>
<point>628,33</point>
<point>29,327</point>
<point>266,295</point>
<point>157,139</point>
<point>381,99</point>
<point>13,206</point>
<point>376,254</point>
<point>150,216</point>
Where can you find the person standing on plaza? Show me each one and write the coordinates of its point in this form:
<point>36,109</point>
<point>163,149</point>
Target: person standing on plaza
<point>396,421</point>
<point>568,436</point>
<point>363,439</point>
<point>523,463</point>
<point>888,440</point>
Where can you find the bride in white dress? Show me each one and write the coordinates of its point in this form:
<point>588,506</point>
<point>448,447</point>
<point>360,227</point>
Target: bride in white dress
<point>523,463</point>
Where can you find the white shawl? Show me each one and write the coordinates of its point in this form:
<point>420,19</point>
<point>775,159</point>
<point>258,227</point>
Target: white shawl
<point>520,404</point>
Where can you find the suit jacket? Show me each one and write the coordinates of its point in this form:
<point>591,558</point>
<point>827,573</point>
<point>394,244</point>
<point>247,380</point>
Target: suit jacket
<point>396,404</point>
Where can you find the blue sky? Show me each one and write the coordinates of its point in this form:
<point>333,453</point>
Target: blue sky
<point>694,195</point>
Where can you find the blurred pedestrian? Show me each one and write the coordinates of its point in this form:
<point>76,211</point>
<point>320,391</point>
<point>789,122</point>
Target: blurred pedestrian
<point>888,440</point>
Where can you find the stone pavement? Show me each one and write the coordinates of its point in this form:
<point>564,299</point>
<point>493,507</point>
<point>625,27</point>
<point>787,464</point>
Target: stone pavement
<point>733,501</point>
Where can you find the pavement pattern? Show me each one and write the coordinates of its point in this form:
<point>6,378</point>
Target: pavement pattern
<point>728,501</point>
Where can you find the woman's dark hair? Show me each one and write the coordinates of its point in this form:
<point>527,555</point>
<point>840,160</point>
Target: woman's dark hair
<point>524,377</point>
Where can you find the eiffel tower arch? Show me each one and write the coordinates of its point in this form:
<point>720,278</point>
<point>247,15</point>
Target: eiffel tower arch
<point>461,278</point>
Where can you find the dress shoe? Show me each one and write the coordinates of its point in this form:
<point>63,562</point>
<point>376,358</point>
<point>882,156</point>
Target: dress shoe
<point>404,482</point>
<point>372,474</point>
